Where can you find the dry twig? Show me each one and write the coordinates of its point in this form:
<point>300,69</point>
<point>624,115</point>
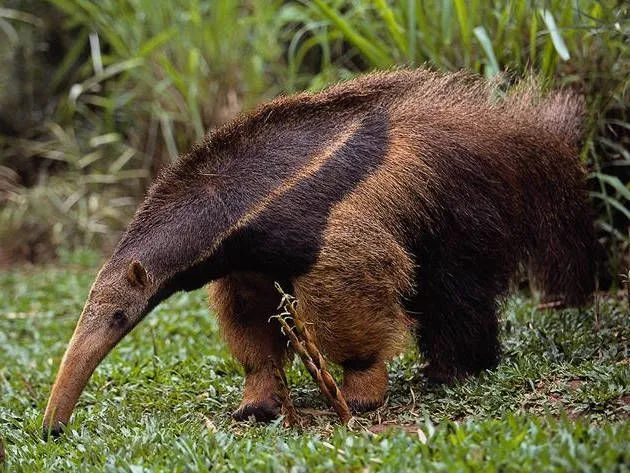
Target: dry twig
<point>290,416</point>
<point>302,342</point>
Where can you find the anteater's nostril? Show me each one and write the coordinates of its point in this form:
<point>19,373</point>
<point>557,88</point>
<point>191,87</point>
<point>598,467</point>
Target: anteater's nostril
<point>120,318</point>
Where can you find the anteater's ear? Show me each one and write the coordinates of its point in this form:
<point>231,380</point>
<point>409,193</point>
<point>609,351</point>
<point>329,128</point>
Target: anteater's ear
<point>137,275</point>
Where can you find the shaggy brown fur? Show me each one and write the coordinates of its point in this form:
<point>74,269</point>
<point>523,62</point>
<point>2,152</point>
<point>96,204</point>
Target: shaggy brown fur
<point>397,201</point>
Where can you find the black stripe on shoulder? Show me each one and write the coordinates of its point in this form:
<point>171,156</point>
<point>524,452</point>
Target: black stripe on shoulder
<point>285,239</point>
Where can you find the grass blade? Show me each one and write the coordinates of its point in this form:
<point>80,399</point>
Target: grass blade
<point>613,202</point>
<point>411,32</point>
<point>395,30</point>
<point>486,44</point>
<point>377,56</point>
<point>556,37</point>
<point>614,182</point>
<point>464,26</point>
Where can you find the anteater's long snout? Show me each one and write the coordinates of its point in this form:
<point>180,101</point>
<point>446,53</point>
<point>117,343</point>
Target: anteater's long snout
<point>85,351</point>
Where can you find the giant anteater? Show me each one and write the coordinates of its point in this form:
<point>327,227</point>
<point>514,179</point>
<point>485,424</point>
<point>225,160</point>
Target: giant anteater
<point>400,201</point>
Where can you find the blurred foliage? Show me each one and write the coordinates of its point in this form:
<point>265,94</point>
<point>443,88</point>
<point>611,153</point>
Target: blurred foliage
<point>138,82</point>
<point>99,96</point>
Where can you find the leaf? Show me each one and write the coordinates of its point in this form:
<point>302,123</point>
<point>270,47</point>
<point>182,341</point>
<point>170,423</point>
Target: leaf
<point>110,71</point>
<point>105,139</point>
<point>615,146</point>
<point>376,55</point>
<point>69,60</point>
<point>533,31</point>
<point>612,230</point>
<point>89,158</point>
<point>620,123</point>
<point>556,37</point>
<point>613,202</point>
<point>168,134</point>
<point>614,182</point>
<point>411,31</point>
<point>486,44</point>
<point>395,30</point>
<point>156,42</point>
<point>464,23</point>
<point>12,14</point>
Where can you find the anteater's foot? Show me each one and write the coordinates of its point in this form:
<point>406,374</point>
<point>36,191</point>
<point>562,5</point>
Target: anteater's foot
<point>364,387</point>
<point>53,431</point>
<point>259,397</point>
<point>437,374</point>
<point>264,410</point>
<point>450,373</point>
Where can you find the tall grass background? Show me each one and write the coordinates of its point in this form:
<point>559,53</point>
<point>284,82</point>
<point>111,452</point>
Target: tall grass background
<point>96,97</point>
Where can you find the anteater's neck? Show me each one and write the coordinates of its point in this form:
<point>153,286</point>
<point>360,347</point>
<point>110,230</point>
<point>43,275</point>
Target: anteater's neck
<point>176,235</point>
<point>189,230</point>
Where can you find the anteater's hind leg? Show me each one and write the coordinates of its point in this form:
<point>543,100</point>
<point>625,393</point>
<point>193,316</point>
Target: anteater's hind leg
<point>457,327</point>
<point>244,302</point>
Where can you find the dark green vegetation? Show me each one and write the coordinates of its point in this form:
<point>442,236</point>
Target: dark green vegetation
<point>559,401</point>
<point>96,97</point>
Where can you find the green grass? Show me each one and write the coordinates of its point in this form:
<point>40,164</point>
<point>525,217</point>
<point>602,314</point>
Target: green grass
<point>559,401</point>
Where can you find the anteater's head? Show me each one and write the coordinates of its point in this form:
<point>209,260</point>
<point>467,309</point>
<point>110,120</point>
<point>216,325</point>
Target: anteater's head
<point>120,297</point>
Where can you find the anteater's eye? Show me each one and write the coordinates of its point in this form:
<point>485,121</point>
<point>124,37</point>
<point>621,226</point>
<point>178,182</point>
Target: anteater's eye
<point>119,317</point>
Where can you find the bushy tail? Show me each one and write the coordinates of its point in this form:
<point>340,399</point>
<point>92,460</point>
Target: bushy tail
<point>563,262</point>
<point>563,266</point>
<point>562,113</point>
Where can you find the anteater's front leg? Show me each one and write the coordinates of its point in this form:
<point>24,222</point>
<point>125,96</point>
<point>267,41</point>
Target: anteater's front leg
<point>244,302</point>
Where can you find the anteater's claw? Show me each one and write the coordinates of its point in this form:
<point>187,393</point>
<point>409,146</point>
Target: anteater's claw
<point>53,431</point>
